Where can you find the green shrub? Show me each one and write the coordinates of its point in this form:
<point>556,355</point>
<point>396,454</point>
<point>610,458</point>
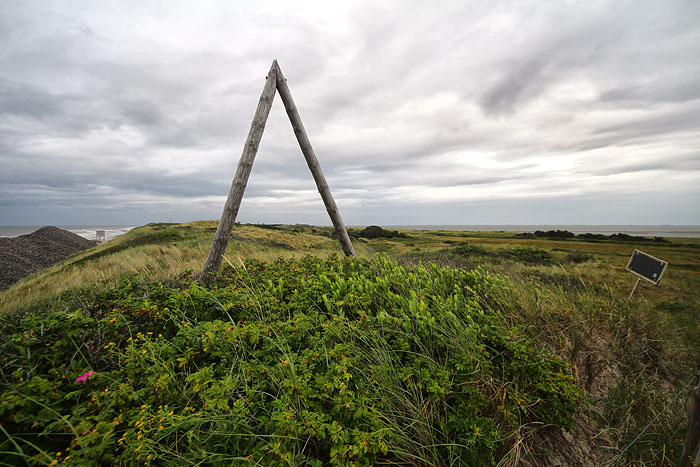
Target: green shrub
<point>527,255</point>
<point>468,249</point>
<point>579,257</point>
<point>301,362</point>
<point>374,231</point>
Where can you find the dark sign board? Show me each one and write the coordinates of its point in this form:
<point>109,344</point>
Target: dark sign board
<point>646,266</point>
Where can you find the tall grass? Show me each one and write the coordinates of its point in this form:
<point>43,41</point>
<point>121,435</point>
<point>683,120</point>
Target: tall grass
<point>630,359</point>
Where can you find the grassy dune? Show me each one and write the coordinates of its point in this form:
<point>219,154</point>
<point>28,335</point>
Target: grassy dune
<point>554,366</point>
<point>162,250</point>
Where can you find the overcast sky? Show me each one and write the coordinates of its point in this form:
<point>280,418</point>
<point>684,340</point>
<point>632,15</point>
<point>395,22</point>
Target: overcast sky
<point>440,112</point>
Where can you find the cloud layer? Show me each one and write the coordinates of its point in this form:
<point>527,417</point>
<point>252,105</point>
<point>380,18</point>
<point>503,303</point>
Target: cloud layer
<point>447,112</point>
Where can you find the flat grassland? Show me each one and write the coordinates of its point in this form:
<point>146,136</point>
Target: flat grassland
<point>553,367</point>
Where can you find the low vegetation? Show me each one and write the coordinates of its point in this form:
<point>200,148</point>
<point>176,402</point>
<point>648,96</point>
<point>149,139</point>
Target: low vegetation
<point>374,231</point>
<point>298,361</point>
<point>434,348</point>
<point>528,255</point>
<point>616,237</point>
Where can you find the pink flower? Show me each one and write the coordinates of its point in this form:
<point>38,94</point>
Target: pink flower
<point>82,378</point>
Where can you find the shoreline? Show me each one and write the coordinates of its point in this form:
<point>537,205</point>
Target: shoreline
<point>674,231</point>
<point>89,232</point>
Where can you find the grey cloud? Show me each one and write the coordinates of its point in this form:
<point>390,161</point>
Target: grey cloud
<point>142,113</point>
<point>469,181</point>
<point>657,124</point>
<point>598,40</point>
<point>24,100</point>
<point>521,81</point>
<point>176,135</point>
<point>653,94</point>
<point>690,162</point>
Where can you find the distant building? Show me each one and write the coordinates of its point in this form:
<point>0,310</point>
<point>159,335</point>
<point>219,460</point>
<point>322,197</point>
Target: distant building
<point>100,236</point>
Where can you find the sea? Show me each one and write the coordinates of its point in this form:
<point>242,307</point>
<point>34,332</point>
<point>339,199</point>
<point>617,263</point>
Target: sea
<point>85,231</point>
<point>687,231</point>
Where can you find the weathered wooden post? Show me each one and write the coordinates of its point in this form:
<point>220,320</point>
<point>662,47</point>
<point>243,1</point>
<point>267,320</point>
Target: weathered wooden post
<point>691,450</point>
<point>633,290</point>
<point>275,82</point>
<point>312,162</point>
<point>240,180</point>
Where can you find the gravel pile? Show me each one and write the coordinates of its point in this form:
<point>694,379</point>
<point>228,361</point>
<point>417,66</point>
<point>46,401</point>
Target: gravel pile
<point>27,254</point>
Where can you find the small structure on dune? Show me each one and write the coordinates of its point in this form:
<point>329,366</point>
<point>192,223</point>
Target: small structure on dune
<point>275,82</point>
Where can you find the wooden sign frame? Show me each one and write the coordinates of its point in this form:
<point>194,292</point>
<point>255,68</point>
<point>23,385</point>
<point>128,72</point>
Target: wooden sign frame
<point>275,82</point>
<point>635,269</point>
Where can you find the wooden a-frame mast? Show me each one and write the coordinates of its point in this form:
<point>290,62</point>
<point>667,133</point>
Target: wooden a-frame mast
<point>275,81</point>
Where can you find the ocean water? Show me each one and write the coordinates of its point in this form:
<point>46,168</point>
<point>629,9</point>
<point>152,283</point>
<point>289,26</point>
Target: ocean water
<point>687,231</point>
<point>85,231</point>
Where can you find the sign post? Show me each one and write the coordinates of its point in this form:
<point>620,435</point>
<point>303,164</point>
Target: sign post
<point>636,284</point>
<point>645,267</point>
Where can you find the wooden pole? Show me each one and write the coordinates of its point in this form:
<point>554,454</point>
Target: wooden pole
<point>691,450</point>
<point>240,180</point>
<point>633,289</point>
<point>312,162</point>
